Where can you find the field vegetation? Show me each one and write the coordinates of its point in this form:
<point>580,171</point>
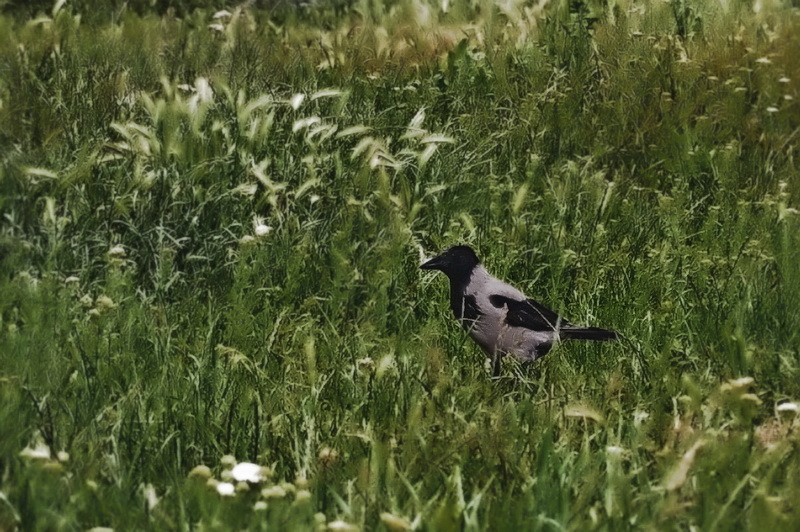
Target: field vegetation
<point>213,217</point>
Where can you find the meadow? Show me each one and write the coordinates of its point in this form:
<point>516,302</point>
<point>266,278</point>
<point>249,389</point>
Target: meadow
<point>213,217</point>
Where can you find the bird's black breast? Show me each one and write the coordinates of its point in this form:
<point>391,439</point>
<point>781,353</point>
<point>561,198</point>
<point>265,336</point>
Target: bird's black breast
<point>464,307</point>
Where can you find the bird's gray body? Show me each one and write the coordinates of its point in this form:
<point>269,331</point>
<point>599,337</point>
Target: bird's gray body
<point>499,317</point>
<point>491,331</point>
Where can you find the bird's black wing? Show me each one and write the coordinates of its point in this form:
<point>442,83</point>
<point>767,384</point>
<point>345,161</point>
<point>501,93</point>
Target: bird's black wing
<point>528,313</point>
<point>532,315</point>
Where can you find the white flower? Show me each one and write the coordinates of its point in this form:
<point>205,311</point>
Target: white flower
<point>262,230</point>
<point>784,79</point>
<point>788,407</point>
<point>772,109</point>
<point>117,252</point>
<point>150,496</point>
<point>615,450</point>
<point>763,60</point>
<point>226,489</point>
<point>203,89</point>
<point>247,472</point>
<point>640,417</point>
<point>40,451</point>
<point>297,101</point>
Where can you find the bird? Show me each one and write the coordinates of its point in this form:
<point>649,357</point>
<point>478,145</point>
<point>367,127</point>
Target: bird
<point>500,318</point>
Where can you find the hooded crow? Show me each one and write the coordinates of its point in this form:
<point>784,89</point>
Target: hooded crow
<point>498,316</point>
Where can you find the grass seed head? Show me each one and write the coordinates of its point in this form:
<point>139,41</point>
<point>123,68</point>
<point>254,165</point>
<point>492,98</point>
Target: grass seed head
<point>105,304</point>
<point>202,472</point>
<point>273,492</point>
<point>341,526</point>
<point>327,457</point>
<point>789,408</point>
<point>395,523</point>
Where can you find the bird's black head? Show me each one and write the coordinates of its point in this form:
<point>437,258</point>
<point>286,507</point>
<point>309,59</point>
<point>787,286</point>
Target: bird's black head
<point>456,262</point>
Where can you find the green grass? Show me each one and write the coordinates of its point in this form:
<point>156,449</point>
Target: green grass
<point>629,164</point>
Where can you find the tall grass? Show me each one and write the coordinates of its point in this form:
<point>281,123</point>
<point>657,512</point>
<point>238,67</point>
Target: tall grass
<point>211,229</point>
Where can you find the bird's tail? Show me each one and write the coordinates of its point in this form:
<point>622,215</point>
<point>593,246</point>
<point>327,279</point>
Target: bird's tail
<point>588,333</point>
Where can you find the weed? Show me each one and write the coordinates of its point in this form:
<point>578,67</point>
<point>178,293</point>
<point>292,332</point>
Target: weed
<point>211,311</point>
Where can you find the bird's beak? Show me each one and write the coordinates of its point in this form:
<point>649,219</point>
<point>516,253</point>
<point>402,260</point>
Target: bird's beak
<point>434,264</point>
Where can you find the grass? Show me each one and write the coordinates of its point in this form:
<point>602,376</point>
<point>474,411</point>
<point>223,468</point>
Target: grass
<point>210,242</point>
